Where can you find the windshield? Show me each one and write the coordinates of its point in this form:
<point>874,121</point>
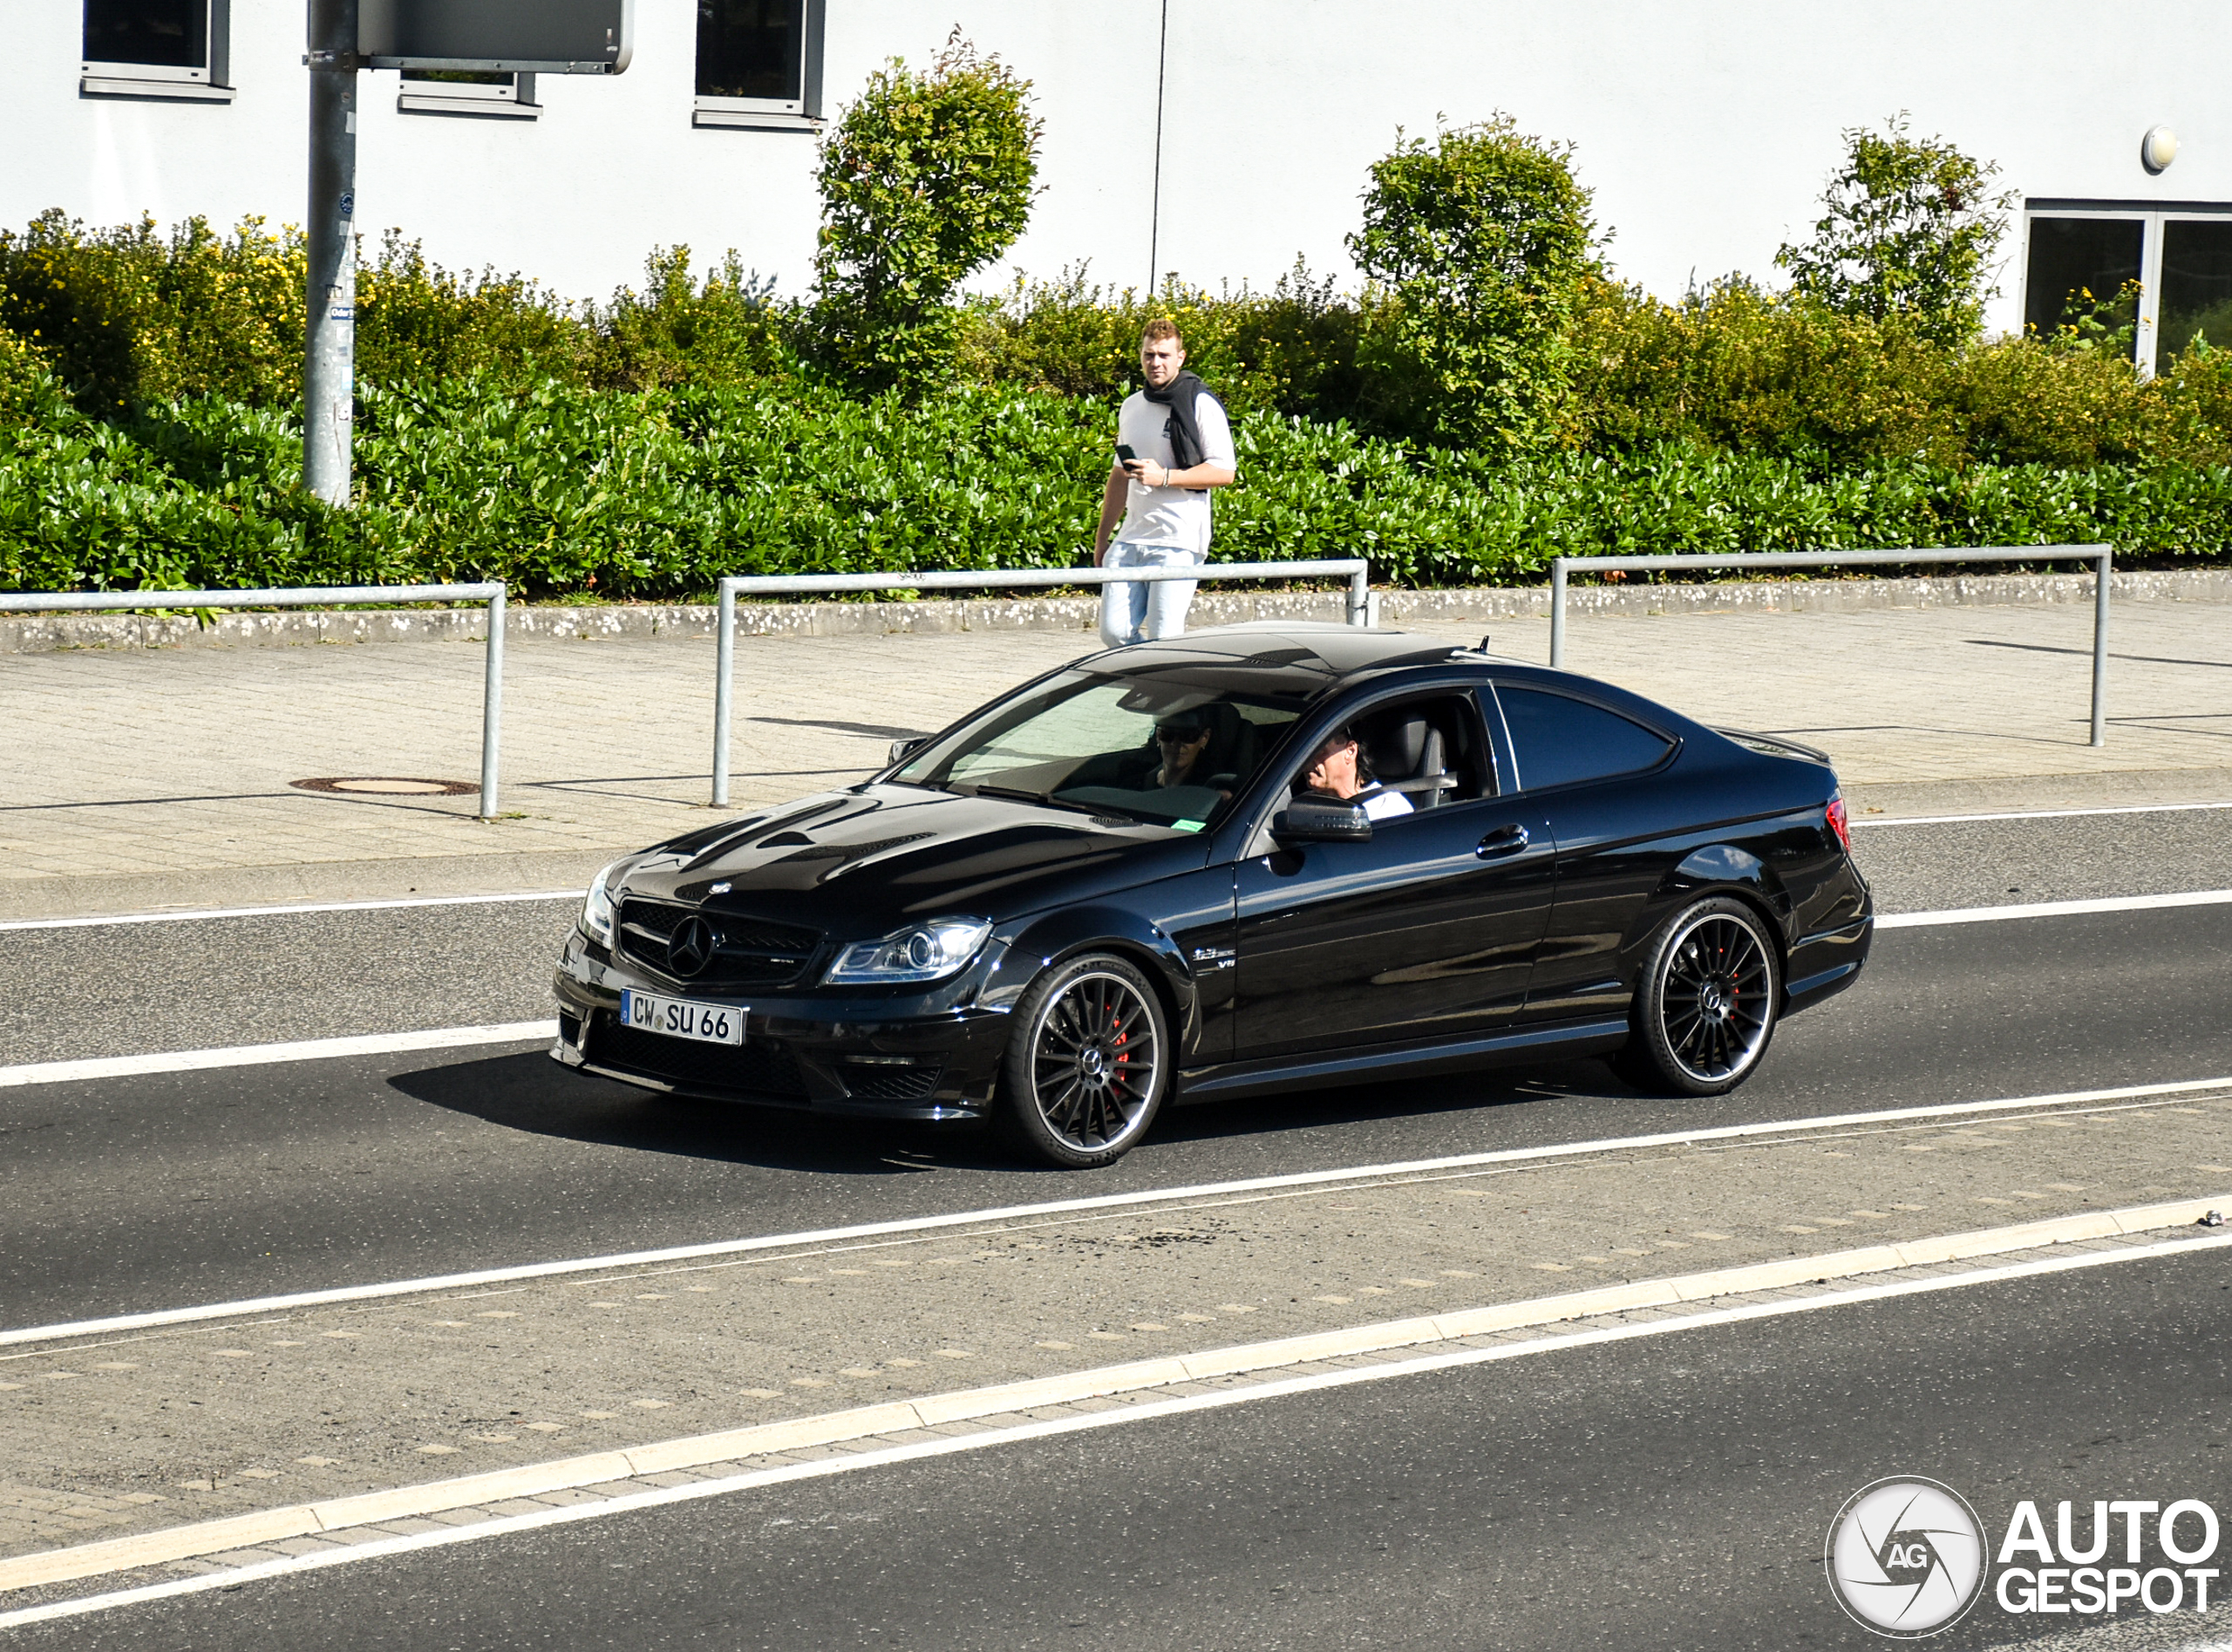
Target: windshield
<point>1168,753</point>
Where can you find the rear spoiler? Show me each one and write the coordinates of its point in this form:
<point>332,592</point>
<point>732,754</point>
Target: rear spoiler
<point>1775,745</point>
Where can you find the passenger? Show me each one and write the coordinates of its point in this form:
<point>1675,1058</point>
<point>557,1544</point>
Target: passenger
<point>1339,769</point>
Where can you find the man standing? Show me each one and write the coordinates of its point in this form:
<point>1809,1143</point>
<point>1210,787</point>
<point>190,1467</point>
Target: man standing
<point>1181,445</point>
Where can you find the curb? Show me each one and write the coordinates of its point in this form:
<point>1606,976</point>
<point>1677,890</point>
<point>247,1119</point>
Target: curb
<point>312,1520</point>
<point>43,634</point>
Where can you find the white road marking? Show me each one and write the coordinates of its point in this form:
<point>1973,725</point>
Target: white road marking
<point>375,1043</point>
<point>47,1072</point>
<point>1061,1206</point>
<point>2052,909</point>
<point>2040,814</point>
<point>1182,1405</point>
<point>288,912</point>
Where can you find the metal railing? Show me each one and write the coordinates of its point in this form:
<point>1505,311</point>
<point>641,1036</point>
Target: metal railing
<point>492,693</point>
<point>1356,570</point>
<point>2101,557</point>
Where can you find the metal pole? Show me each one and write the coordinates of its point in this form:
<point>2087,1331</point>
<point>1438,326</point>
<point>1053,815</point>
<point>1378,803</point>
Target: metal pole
<point>2100,574</point>
<point>329,343</point>
<point>492,704</point>
<point>723,668</point>
<point>1558,611</point>
<point>1360,598</point>
<point>1154,197</point>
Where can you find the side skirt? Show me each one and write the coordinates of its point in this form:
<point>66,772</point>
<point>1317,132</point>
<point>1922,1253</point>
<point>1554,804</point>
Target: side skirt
<point>1557,1042</point>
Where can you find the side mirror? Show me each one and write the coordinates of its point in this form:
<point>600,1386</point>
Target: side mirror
<point>1321,820</point>
<point>901,750</point>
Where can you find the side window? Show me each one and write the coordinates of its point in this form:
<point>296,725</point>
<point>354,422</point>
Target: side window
<point>758,63</point>
<point>1427,751</point>
<point>168,48</point>
<point>1556,740</point>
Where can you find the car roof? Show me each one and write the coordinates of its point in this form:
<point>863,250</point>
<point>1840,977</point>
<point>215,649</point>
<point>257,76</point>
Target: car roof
<point>1290,660</point>
<point>1301,661</point>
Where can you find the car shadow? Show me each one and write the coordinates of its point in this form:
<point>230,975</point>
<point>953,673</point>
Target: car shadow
<point>1472,1092</point>
<point>531,1094</point>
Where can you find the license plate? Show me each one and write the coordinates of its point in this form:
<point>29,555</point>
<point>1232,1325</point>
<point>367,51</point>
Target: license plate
<point>708,1024</point>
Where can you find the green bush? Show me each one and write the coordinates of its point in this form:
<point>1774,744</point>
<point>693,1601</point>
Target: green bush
<point>1732,367</point>
<point>925,179</point>
<point>731,329</point>
<point>416,322</point>
<point>1908,228</point>
<point>1291,349</point>
<point>126,315</point>
<point>563,490</point>
<point>1478,244</point>
<point>76,307</point>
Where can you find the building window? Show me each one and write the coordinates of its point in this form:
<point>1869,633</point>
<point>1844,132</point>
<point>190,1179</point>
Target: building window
<point>462,91</point>
<point>2196,283</point>
<point>168,48</point>
<point>2080,256</point>
<point>758,63</point>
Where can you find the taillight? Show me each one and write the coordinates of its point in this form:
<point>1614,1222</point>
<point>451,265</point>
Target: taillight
<point>1838,824</point>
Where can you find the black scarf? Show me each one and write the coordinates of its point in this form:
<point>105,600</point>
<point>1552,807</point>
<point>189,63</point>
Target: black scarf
<point>1182,397</point>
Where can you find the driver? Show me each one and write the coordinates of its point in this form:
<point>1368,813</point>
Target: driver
<point>1182,740</point>
<point>1339,769</point>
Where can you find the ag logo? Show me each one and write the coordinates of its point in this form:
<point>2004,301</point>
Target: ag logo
<point>1906,1558</point>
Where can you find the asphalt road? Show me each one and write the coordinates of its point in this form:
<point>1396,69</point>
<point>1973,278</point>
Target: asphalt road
<point>157,1191</point>
<point>1667,1492</point>
<point>125,988</point>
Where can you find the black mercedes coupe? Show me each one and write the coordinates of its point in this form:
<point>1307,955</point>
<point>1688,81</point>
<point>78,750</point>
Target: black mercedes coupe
<point>1262,857</point>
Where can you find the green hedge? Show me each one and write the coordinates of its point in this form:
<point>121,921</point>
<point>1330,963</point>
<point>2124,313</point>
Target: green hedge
<point>566,492</point>
<point>641,447</point>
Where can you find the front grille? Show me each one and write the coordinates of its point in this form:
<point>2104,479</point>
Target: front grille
<point>755,1068</point>
<point>891,1083</point>
<point>753,952</point>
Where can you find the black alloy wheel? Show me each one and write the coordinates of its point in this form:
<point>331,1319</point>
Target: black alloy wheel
<point>1708,1001</point>
<point>1088,1067</point>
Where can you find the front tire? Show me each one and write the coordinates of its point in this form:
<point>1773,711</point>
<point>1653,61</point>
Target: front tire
<point>1707,1005</point>
<point>1088,1065</point>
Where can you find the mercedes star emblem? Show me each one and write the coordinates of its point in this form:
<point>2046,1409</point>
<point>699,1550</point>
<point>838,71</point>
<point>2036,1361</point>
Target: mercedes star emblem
<point>691,947</point>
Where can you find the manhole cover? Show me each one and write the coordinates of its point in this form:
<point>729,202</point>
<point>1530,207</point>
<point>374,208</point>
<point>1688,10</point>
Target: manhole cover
<point>387,785</point>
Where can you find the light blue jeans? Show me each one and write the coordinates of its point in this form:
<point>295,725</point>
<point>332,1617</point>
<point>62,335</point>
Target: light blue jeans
<point>1144,613</point>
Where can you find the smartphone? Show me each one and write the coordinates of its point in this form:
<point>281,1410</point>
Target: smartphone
<point>1124,454</point>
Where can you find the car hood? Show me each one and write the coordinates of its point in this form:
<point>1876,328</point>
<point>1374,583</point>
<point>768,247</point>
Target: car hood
<point>864,863</point>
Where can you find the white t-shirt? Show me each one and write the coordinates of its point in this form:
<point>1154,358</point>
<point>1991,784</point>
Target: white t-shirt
<point>1381,805</point>
<point>1176,516</point>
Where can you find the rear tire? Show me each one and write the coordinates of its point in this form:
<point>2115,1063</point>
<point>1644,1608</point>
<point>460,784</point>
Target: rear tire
<point>1707,1007</point>
<point>1088,1064</point>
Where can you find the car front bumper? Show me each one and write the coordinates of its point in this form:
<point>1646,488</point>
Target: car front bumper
<point>857,1054</point>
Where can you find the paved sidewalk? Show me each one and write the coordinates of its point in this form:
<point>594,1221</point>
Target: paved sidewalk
<point>142,777</point>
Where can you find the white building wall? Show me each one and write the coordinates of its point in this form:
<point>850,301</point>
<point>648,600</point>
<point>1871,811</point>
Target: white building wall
<point>1706,129</point>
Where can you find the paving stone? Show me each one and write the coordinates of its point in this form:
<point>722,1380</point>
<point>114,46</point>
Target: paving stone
<point>168,762</point>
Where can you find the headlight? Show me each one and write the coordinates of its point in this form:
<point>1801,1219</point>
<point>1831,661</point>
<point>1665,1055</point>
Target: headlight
<point>595,920</point>
<point>922,951</point>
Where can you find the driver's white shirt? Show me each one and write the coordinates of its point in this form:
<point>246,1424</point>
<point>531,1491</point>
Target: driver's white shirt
<point>1381,805</point>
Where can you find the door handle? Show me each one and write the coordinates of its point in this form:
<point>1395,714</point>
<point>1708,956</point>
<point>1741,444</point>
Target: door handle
<point>1503,841</point>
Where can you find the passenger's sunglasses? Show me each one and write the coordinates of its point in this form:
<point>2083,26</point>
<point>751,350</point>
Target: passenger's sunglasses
<point>1169,736</point>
